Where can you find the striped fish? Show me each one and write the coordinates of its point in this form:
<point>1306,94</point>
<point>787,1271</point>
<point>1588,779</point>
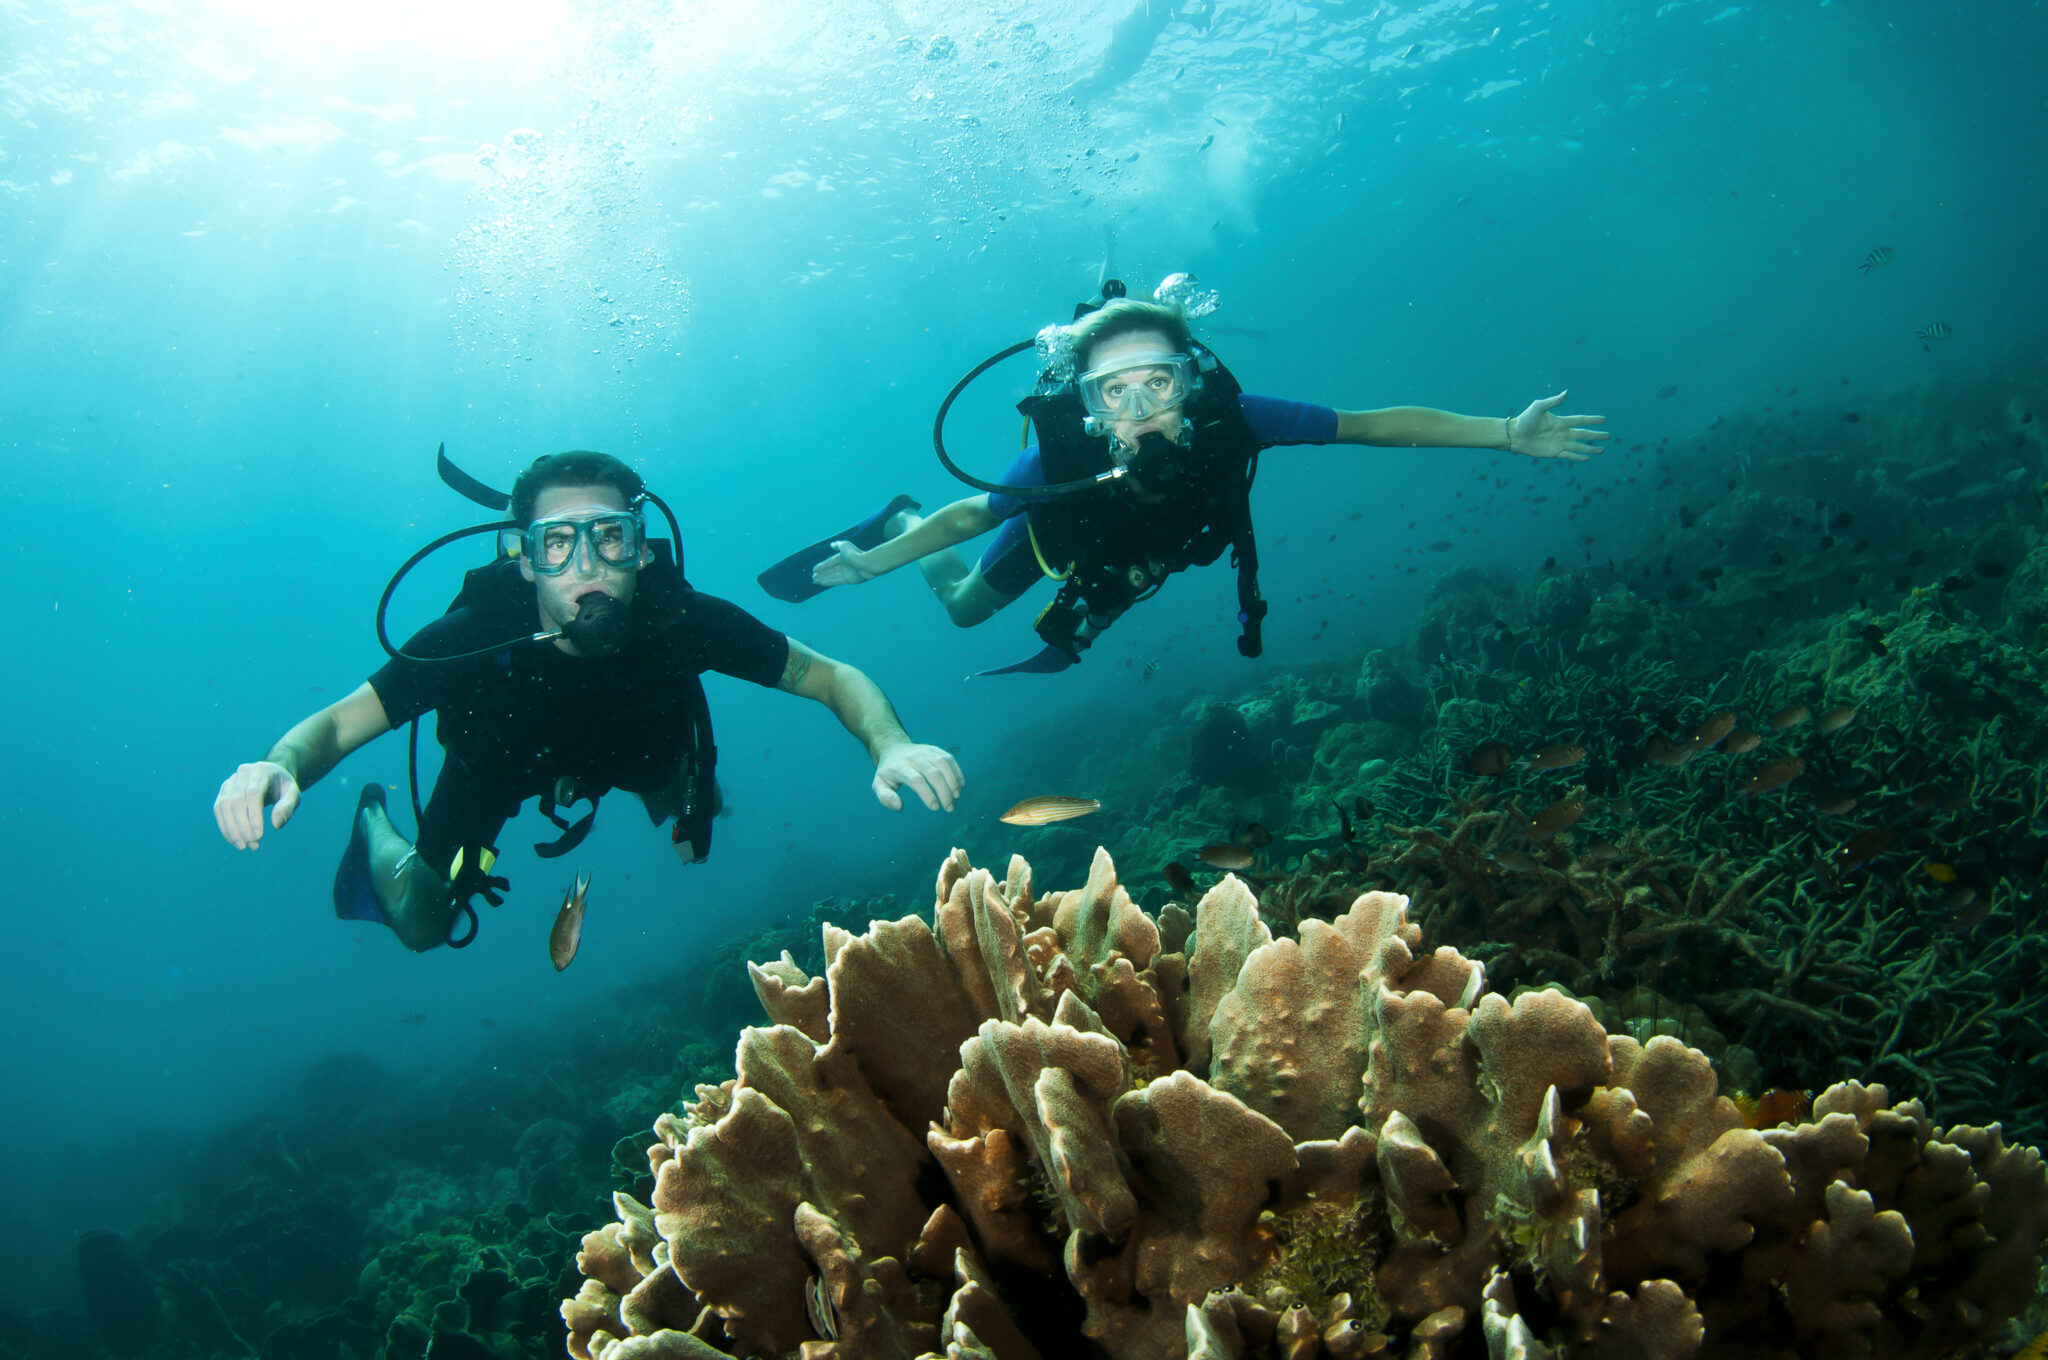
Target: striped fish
<point>1876,259</point>
<point>1039,811</point>
<point>1935,330</point>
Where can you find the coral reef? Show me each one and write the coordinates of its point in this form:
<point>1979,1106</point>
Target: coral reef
<point>1096,1131</point>
<point>1882,898</point>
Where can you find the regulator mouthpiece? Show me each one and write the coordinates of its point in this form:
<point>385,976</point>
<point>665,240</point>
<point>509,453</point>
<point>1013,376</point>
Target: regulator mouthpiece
<point>599,628</point>
<point>1155,458</point>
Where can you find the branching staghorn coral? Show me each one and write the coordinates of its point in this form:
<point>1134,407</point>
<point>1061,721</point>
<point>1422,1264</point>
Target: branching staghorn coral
<point>1055,1126</point>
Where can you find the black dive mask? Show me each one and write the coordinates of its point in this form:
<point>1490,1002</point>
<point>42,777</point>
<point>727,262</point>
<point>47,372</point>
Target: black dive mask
<point>599,628</point>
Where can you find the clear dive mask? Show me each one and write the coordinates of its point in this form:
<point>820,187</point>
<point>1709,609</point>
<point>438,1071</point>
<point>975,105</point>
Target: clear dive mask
<point>1140,387</point>
<point>551,545</point>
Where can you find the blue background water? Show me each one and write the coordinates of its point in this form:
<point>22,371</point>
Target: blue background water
<point>255,264</point>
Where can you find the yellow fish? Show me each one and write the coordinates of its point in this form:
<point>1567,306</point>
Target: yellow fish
<point>1052,808</point>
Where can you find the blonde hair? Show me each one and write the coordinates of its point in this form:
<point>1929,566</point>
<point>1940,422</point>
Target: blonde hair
<point>1127,316</point>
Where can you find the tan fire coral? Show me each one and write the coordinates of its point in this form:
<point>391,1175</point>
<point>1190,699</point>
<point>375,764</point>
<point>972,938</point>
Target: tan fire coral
<point>1049,1122</point>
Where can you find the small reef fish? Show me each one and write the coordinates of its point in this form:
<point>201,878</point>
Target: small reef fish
<point>1874,635</point>
<point>1709,733</point>
<point>1861,848</point>
<point>1834,804</point>
<point>1558,815</point>
<point>1837,718</point>
<point>413,1018</point>
<point>1348,832</point>
<point>1490,758</point>
<point>1740,743</point>
<point>1513,861</point>
<point>1791,715</point>
<point>1224,855</point>
<point>1051,808</point>
<point>1151,669</point>
<point>1941,873</point>
<point>1775,775</point>
<point>1556,757</point>
<point>1876,259</point>
<point>1934,331</point>
<point>1177,877</point>
<point>1254,836</point>
<point>568,931</point>
<point>1662,750</point>
<point>1362,808</point>
<point>1774,1107</point>
<point>1966,909</point>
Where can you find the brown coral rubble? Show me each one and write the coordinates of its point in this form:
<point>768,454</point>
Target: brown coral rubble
<point>1054,1125</point>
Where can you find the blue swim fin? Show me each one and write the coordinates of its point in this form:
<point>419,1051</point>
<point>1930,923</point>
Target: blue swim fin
<point>1046,662</point>
<point>790,579</point>
<point>355,897</point>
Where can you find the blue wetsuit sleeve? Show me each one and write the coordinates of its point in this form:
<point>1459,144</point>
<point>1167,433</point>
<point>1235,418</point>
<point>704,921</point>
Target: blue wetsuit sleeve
<point>1276,421</point>
<point>1027,470</point>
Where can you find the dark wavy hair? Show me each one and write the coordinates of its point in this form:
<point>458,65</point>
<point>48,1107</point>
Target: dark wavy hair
<point>577,467</point>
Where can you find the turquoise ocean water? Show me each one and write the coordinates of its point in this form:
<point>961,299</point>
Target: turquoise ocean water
<point>257,261</point>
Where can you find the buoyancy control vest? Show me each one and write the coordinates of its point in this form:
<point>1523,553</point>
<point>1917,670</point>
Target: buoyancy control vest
<point>1111,547</point>
<point>502,601</point>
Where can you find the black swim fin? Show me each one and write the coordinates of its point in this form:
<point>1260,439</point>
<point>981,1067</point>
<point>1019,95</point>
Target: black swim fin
<point>790,579</point>
<point>1047,661</point>
<point>355,897</point>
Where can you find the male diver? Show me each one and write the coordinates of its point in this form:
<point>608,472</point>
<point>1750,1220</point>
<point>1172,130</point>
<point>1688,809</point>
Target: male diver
<point>606,695</point>
<point>1143,467</point>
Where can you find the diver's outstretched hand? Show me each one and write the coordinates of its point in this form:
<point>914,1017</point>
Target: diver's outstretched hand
<point>844,567</point>
<point>930,772</point>
<point>238,807</point>
<point>1539,434</point>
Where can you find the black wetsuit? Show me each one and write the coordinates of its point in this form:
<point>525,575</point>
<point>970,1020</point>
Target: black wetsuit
<point>515,722</point>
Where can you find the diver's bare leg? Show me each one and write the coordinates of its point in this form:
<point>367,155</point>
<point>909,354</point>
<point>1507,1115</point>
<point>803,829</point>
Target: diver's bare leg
<point>968,599</point>
<point>972,600</point>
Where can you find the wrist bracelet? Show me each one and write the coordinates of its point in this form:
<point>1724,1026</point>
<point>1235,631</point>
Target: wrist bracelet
<point>1507,433</point>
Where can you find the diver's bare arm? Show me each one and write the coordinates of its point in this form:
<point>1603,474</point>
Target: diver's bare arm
<point>1421,427</point>
<point>317,743</point>
<point>855,700</point>
<point>943,528</point>
<point>929,772</point>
